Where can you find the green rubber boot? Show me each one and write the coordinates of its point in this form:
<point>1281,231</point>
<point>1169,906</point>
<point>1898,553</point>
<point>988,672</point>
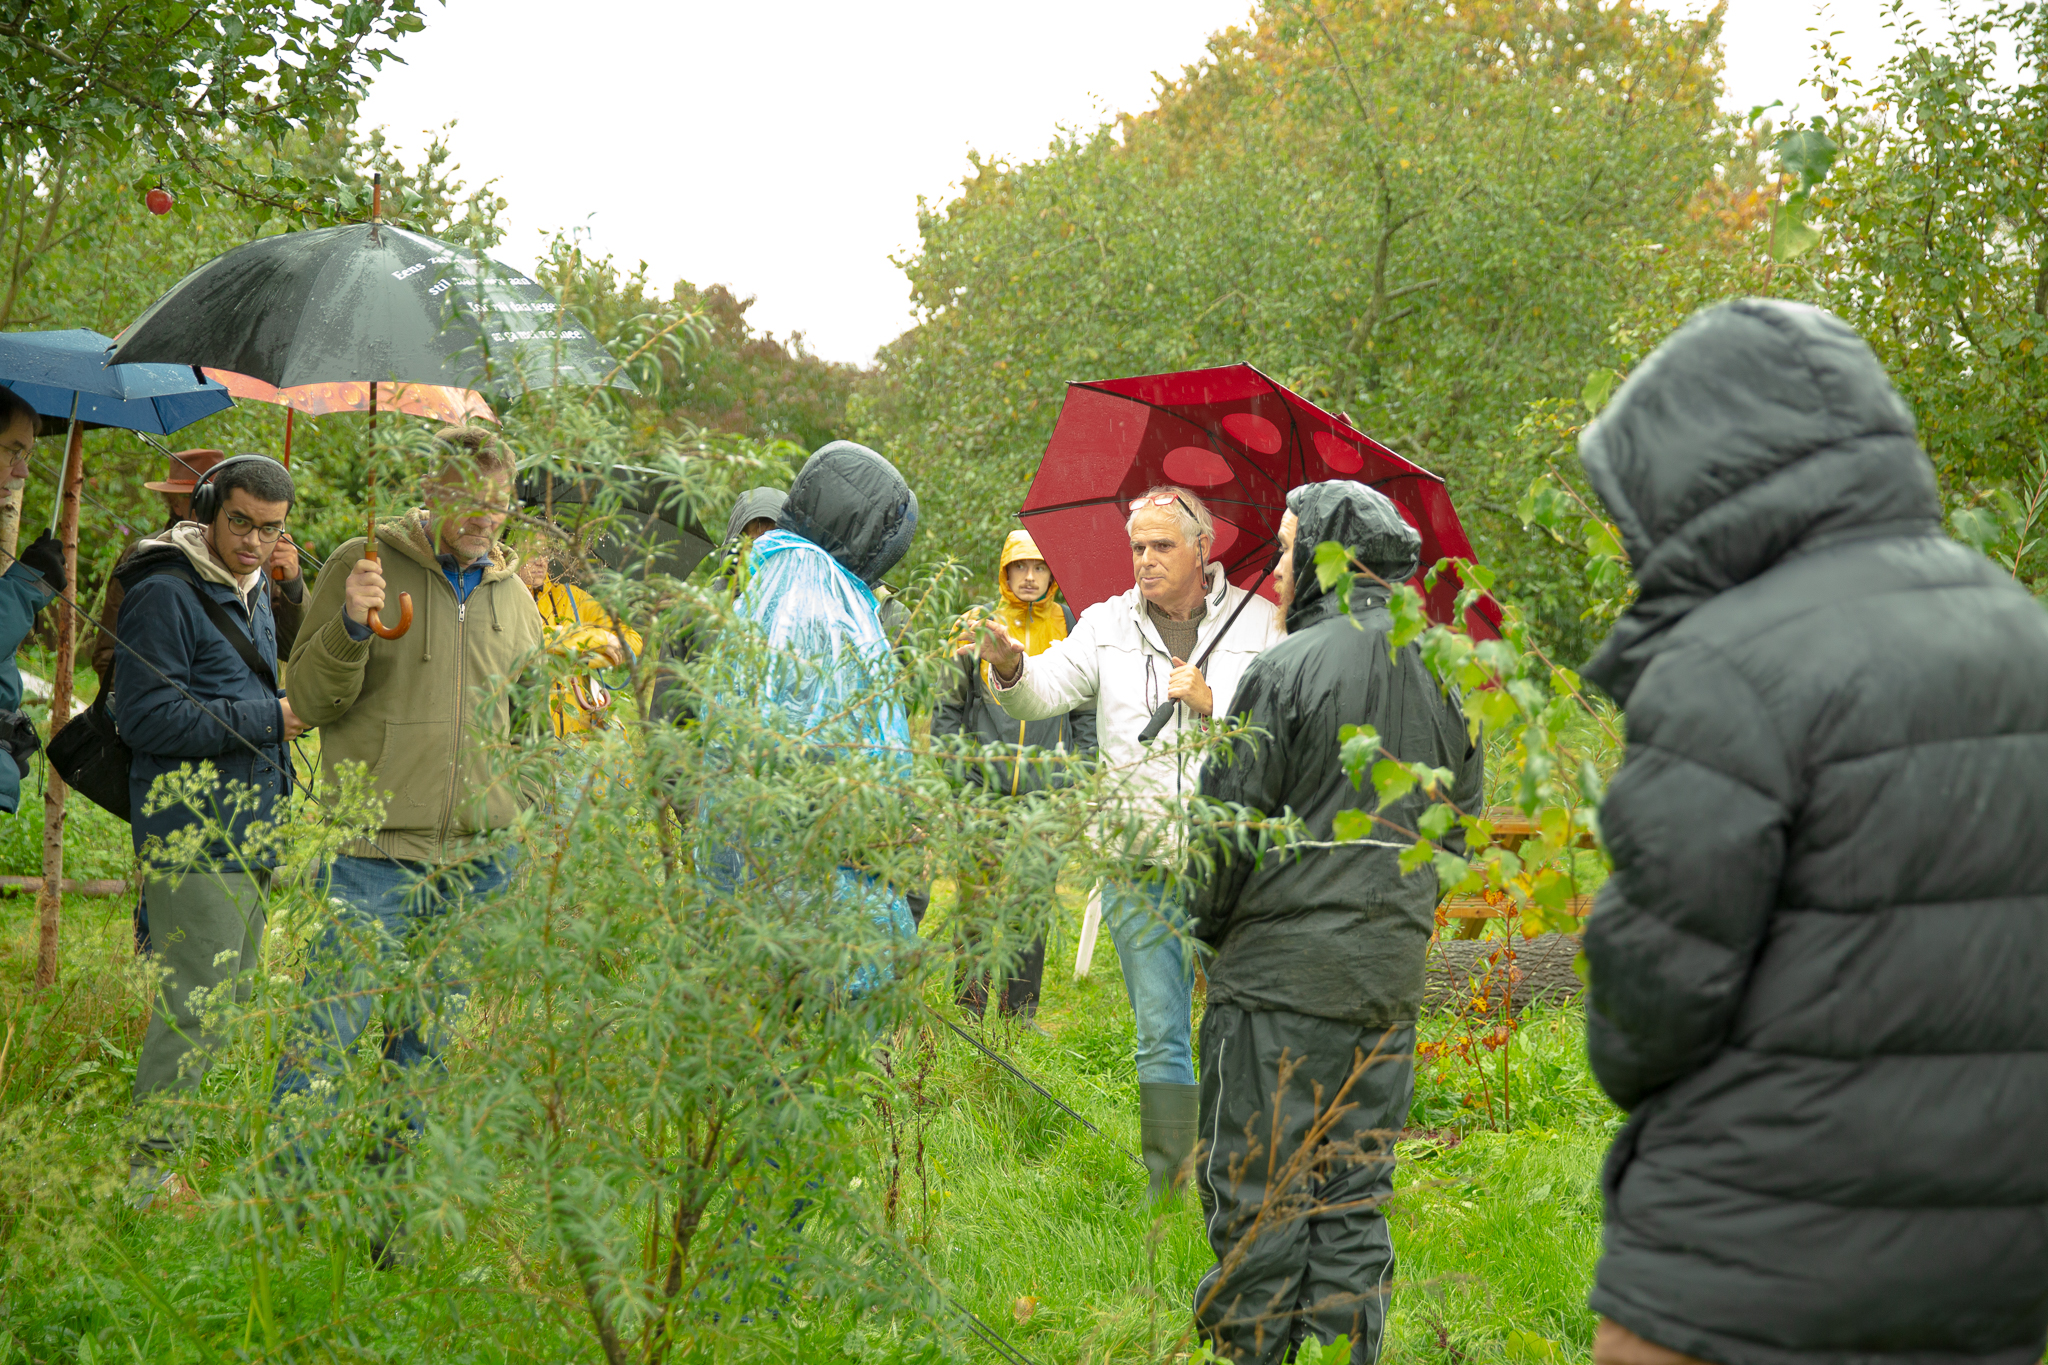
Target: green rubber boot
<point>1169,1116</point>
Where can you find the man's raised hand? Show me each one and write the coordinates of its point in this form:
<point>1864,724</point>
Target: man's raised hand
<point>284,559</point>
<point>364,591</point>
<point>1001,649</point>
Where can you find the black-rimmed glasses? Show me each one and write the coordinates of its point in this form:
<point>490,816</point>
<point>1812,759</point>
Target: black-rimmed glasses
<point>242,526</point>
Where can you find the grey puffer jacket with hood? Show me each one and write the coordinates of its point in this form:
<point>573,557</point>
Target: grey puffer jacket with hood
<point>1334,932</point>
<point>851,503</point>
<point>1817,968</point>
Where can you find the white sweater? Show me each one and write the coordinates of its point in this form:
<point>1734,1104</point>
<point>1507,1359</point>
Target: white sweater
<point>1114,660</point>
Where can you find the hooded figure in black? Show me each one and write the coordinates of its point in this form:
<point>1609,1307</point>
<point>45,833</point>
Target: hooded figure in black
<point>1319,953</point>
<point>1817,970</point>
<point>754,513</point>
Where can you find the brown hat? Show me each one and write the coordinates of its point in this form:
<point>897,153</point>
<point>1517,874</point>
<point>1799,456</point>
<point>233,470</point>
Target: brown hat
<point>185,468</point>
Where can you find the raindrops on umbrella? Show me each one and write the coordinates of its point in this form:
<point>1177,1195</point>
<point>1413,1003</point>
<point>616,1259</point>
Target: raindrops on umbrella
<point>367,302</point>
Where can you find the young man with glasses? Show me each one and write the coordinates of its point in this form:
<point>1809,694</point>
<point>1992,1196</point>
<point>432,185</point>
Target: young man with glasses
<point>1125,657</point>
<point>182,473</point>
<point>422,711</point>
<point>195,682</point>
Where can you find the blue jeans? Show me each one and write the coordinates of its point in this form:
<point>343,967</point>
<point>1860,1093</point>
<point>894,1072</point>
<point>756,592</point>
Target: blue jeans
<point>383,906</point>
<point>1159,974</point>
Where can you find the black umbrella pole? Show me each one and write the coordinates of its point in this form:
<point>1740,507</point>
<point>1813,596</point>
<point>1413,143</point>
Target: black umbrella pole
<point>1165,712</point>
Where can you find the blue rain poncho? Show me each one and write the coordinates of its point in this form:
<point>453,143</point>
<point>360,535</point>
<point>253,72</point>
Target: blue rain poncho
<point>832,672</point>
<point>829,678</point>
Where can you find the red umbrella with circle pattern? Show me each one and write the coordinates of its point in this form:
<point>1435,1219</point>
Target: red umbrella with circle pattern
<point>1241,441</point>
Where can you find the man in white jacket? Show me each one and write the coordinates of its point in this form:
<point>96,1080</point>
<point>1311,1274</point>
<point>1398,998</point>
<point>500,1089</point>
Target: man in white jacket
<point>1126,656</point>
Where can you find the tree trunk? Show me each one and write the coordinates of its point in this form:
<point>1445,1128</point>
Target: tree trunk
<point>51,897</point>
<point>10,524</point>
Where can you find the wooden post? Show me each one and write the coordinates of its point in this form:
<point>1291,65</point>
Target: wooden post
<point>50,897</point>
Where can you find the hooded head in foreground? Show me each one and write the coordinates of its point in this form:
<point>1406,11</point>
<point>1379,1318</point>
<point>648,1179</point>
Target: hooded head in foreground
<point>1366,523</point>
<point>1758,428</point>
<point>851,503</point>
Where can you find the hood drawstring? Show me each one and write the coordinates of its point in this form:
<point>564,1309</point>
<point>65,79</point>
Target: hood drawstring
<point>494,605</point>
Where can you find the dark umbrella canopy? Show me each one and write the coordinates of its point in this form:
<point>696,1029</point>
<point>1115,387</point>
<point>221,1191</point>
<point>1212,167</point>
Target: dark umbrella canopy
<point>648,530</point>
<point>56,370</point>
<point>366,302</point>
<point>1241,442</point>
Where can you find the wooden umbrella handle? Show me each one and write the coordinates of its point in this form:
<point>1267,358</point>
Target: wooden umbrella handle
<point>376,623</point>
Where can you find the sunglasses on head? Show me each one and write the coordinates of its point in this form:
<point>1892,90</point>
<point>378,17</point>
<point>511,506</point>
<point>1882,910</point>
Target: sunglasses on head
<point>1163,500</point>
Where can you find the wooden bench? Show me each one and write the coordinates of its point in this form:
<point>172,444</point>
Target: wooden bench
<point>1511,829</point>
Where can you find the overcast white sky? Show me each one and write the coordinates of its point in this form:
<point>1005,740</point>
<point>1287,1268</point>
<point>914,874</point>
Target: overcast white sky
<point>781,151</point>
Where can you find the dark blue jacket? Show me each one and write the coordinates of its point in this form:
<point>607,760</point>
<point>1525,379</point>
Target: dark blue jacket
<point>163,622</point>
<point>23,593</point>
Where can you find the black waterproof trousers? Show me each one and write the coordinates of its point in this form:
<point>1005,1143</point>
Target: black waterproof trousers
<point>1020,991</point>
<point>1299,1233</point>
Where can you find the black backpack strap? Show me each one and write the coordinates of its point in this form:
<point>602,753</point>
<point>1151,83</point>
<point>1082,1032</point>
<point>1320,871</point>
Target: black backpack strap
<point>229,628</point>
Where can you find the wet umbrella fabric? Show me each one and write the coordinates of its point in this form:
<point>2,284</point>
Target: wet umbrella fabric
<point>366,302</point>
<point>52,370</point>
<point>629,519</point>
<point>1239,440</point>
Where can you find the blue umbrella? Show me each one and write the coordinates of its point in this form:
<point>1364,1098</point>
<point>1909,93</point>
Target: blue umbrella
<point>65,375</point>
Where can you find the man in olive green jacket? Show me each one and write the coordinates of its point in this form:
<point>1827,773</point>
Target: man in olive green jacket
<point>421,713</point>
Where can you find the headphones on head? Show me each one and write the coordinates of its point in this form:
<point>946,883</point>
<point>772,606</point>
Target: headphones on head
<point>206,497</point>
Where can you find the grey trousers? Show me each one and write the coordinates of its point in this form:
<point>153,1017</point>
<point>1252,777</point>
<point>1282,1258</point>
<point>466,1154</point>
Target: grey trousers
<point>1301,1242</point>
<point>207,931</point>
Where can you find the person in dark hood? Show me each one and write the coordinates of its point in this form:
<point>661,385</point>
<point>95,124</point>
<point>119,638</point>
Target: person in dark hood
<point>754,514</point>
<point>1816,968</point>
<point>851,503</point>
<point>1318,972</point>
<point>1029,607</point>
<point>1815,971</point>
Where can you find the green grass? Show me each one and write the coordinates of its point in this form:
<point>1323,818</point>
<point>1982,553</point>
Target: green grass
<point>1497,1232</point>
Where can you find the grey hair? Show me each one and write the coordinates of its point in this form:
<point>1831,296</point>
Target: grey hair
<point>1188,510</point>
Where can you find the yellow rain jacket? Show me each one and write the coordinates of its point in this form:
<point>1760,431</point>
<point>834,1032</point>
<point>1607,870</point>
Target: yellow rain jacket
<point>972,711</point>
<point>1036,624</point>
<point>579,626</point>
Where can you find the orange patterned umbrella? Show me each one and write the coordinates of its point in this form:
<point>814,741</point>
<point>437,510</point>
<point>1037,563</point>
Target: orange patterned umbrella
<point>436,402</point>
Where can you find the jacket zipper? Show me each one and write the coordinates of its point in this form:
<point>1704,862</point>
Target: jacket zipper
<point>461,666</point>
<point>1180,763</point>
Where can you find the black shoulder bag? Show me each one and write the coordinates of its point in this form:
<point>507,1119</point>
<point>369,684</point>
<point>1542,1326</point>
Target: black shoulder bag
<point>89,753</point>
